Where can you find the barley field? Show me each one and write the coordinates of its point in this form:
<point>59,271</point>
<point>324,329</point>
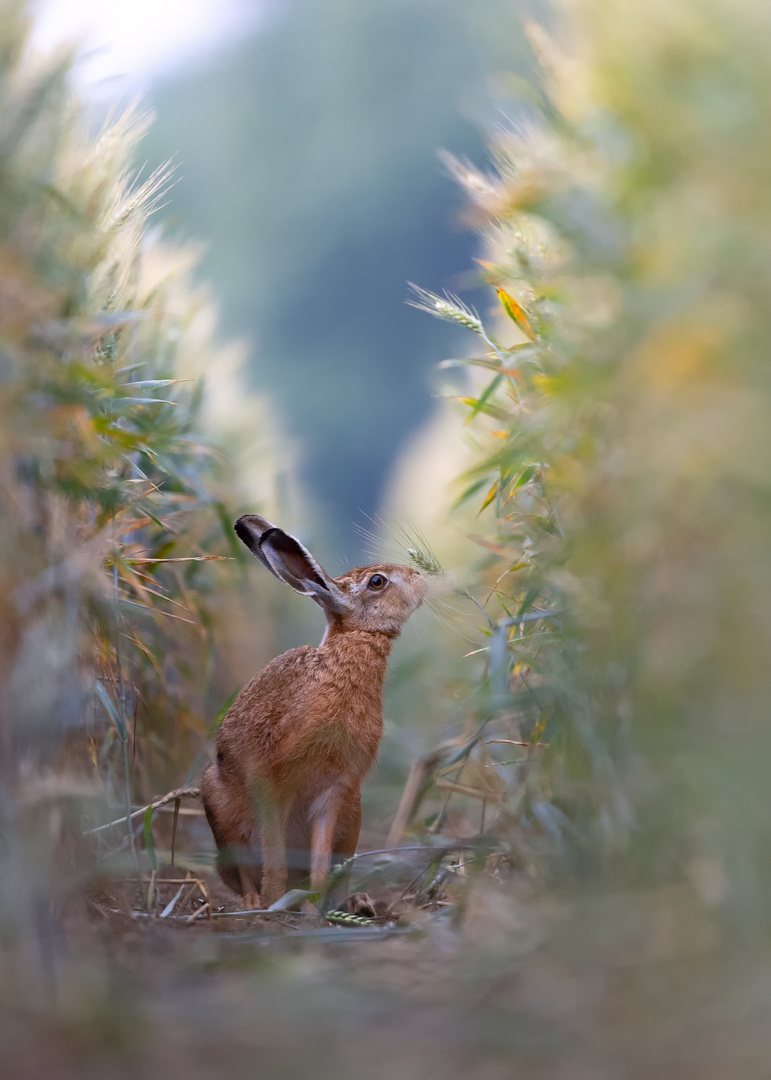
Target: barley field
<point>563,871</point>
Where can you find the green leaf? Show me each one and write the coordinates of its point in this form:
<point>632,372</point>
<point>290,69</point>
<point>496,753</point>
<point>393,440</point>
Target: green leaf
<point>293,900</point>
<point>222,713</point>
<point>515,313</point>
<point>486,394</point>
<point>529,473</point>
<point>530,597</point>
<point>490,495</point>
<point>112,712</point>
<point>471,361</point>
<point>471,490</point>
<point>479,406</point>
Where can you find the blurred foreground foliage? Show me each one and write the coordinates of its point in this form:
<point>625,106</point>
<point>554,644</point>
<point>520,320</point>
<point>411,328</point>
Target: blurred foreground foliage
<point>618,406</point>
<point>608,914</point>
<point>624,450</point>
<point>113,517</point>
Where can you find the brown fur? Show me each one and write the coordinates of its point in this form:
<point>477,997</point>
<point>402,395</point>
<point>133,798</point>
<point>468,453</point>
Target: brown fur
<point>302,735</point>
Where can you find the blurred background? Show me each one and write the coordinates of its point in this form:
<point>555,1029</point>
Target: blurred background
<point>305,138</point>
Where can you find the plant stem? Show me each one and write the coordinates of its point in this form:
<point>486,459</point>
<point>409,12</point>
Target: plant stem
<point>124,732</point>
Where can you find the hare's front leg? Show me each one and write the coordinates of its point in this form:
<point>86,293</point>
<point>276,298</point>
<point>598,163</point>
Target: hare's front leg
<point>273,838</point>
<point>348,827</point>
<point>325,813</point>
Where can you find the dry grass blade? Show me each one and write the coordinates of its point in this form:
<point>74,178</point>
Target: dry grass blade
<point>157,611</point>
<point>516,742</point>
<point>187,558</point>
<point>204,910</point>
<point>173,796</point>
<point>419,773</point>
<point>463,789</point>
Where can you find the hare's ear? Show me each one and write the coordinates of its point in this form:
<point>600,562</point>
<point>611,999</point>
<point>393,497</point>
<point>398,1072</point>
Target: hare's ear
<point>290,561</point>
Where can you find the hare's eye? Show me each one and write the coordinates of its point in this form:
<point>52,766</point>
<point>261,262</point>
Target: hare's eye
<point>377,582</point>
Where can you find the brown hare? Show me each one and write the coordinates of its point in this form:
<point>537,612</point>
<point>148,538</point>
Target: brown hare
<point>301,736</point>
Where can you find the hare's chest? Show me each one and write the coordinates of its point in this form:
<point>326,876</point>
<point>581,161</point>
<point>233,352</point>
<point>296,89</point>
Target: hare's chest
<point>345,742</point>
<point>332,747</point>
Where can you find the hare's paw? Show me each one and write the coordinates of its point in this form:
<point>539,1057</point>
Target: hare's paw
<point>252,901</point>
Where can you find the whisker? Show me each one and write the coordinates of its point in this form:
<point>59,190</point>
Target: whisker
<point>450,626</point>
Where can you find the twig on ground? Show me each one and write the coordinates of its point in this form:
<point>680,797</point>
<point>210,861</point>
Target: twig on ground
<point>206,909</point>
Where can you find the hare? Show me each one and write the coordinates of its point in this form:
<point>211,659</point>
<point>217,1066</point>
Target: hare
<point>301,736</point>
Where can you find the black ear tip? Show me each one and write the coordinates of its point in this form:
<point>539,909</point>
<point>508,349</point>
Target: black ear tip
<point>243,532</point>
<point>252,530</point>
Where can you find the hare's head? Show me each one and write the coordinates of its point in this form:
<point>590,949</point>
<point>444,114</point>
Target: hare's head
<point>378,598</point>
